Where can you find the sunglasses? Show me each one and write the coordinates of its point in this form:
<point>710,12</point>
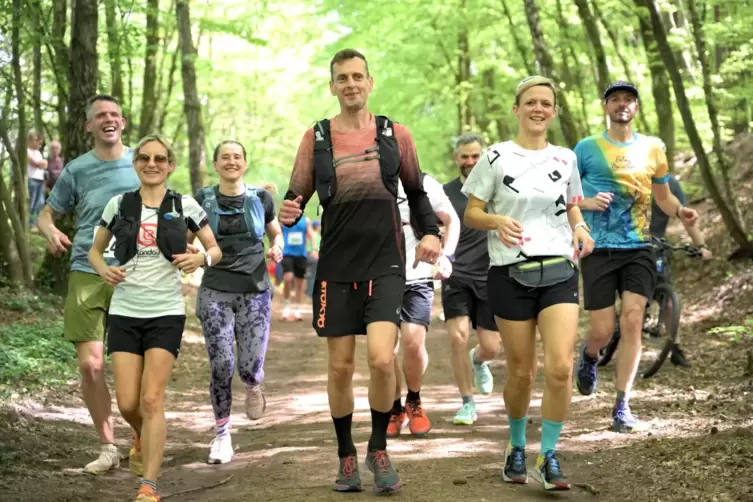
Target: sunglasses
<point>144,158</point>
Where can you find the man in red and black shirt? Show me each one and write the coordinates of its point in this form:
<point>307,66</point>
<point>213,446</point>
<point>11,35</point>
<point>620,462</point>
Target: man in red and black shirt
<point>360,276</point>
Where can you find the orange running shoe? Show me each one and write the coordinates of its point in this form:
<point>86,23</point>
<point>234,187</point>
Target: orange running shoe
<point>147,494</point>
<point>417,420</point>
<point>398,420</point>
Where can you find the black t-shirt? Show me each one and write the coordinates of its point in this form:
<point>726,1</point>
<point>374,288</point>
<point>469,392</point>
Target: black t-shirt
<point>659,220</point>
<point>471,254</point>
<point>242,268</point>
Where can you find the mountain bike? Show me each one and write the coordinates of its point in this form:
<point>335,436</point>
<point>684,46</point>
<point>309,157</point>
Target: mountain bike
<point>661,320</point>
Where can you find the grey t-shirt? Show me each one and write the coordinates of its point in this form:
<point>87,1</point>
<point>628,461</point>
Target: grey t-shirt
<point>659,220</point>
<point>85,187</point>
<point>242,268</point>
<point>471,253</point>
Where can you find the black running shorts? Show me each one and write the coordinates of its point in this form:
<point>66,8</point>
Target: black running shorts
<point>512,301</point>
<point>137,335</point>
<point>467,297</point>
<point>346,308</point>
<point>607,272</point>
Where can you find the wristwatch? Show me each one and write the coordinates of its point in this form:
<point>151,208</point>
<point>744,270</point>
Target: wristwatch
<point>207,260</point>
<point>582,224</point>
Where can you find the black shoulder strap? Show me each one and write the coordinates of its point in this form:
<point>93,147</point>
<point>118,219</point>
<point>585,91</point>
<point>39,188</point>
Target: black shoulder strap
<point>130,205</point>
<point>389,155</point>
<point>324,162</point>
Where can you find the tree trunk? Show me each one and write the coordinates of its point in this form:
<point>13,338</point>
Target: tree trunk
<point>18,160</point>
<point>169,92</point>
<point>700,45</point>
<point>569,129</point>
<point>620,54</point>
<point>191,103</point>
<point>524,56</point>
<point>594,37</point>
<point>493,110</point>
<point>113,53</point>
<point>660,91</point>
<point>14,246</point>
<point>60,64</point>
<point>148,100</point>
<point>572,68</point>
<point>82,75</point>
<point>36,85</point>
<point>463,83</point>
<point>736,231</point>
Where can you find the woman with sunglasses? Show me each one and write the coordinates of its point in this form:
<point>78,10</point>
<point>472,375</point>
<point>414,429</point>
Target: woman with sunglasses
<point>147,314</point>
<point>234,301</point>
<point>525,193</point>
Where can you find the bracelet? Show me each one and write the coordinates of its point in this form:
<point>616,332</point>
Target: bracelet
<point>677,211</point>
<point>582,224</point>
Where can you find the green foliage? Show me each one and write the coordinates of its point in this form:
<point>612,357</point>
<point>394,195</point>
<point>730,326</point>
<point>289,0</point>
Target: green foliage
<point>34,355</point>
<point>737,332</point>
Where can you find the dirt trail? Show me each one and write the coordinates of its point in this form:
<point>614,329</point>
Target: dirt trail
<point>290,453</point>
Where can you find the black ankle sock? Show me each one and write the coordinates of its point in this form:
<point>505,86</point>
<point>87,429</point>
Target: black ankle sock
<point>412,397</point>
<point>345,444</point>
<point>397,406</point>
<point>379,422</point>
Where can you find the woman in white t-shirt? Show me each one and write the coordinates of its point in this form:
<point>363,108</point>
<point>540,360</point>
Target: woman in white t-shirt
<point>146,315</point>
<point>525,193</point>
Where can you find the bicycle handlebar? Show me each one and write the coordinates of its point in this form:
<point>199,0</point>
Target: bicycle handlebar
<point>662,243</point>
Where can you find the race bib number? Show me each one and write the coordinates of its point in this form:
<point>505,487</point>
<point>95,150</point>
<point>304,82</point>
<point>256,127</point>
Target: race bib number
<point>110,250</point>
<point>295,238</point>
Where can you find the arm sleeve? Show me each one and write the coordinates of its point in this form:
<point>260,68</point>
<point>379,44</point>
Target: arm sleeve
<point>269,206</point>
<point>418,200</point>
<point>302,178</point>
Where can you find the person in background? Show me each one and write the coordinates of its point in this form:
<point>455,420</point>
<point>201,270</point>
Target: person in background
<point>36,166</point>
<point>55,164</point>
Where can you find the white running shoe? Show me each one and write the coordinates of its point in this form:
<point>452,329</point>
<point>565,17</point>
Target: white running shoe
<point>109,458</point>
<point>285,313</point>
<point>221,450</point>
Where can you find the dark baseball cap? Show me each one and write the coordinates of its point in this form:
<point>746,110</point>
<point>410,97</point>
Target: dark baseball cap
<point>621,85</point>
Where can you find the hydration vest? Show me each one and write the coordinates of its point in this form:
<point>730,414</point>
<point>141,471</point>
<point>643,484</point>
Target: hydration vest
<point>253,214</point>
<point>171,226</point>
<point>324,163</point>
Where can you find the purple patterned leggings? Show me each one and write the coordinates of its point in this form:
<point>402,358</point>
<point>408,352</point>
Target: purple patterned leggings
<point>227,317</point>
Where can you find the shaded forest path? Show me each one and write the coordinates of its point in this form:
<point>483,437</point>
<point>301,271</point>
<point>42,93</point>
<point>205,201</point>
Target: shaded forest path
<point>290,453</point>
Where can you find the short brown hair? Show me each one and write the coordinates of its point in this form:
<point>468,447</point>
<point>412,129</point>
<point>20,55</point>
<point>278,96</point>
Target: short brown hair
<point>343,56</point>
<point>533,81</point>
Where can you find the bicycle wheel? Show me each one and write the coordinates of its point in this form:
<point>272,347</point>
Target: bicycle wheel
<point>662,325</point>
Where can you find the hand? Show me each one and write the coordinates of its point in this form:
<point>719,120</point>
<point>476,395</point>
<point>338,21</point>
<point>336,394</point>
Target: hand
<point>315,255</point>
<point>706,254</point>
<point>58,243</point>
<point>270,187</point>
<point>275,254</point>
<point>290,210</point>
<point>600,202</point>
<point>113,275</point>
<point>190,248</point>
<point>582,242</point>
<point>188,262</point>
<point>428,250</point>
<point>687,215</point>
<point>510,231</point>
<point>443,268</point>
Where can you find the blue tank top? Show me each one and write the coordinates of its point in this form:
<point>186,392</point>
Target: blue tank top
<point>295,239</point>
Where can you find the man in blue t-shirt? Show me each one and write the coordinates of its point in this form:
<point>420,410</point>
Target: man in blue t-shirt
<point>85,186</point>
<point>295,264</point>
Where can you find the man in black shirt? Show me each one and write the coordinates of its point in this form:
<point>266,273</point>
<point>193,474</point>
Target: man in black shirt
<point>464,294</point>
<point>658,228</point>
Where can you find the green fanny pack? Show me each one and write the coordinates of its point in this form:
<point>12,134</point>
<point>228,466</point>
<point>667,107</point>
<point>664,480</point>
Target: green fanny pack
<point>540,273</point>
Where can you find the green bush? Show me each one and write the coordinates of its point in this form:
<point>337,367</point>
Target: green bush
<point>33,356</point>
